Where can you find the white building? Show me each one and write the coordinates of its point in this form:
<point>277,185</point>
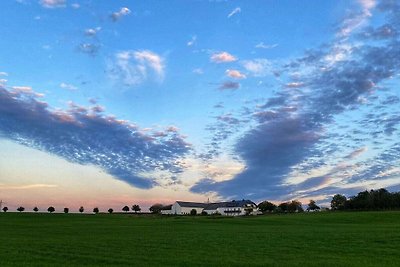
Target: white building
<point>231,208</point>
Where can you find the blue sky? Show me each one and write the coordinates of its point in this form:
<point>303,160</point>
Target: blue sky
<point>152,101</point>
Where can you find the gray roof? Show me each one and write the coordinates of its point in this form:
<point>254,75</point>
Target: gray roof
<point>229,204</point>
<point>214,206</point>
<point>191,204</point>
<point>168,207</point>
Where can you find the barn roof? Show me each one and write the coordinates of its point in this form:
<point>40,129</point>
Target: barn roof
<point>214,206</point>
<point>191,204</point>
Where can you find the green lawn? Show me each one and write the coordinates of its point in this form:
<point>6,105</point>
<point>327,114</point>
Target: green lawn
<point>319,239</point>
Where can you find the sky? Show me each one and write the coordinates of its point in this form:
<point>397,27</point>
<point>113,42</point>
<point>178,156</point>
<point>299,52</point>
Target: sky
<point>112,103</point>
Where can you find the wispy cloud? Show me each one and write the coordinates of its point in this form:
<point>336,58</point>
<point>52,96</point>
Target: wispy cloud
<point>192,41</point>
<point>356,20</point>
<point>134,67</point>
<point>28,186</point>
<point>124,11</point>
<point>89,48</point>
<point>85,135</point>
<point>235,74</point>
<point>75,6</point>
<point>235,11</point>
<point>68,86</point>
<point>222,57</point>
<point>229,85</point>
<point>53,3</point>
<point>91,32</point>
<point>265,46</point>
<point>258,67</point>
<point>198,71</point>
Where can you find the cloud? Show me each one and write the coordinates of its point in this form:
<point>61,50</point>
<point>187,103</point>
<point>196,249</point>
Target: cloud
<point>229,85</point>
<point>294,85</point>
<point>367,4</point>
<point>292,128</point>
<point>2,73</point>
<point>134,67</point>
<point>258,67</point>
<point>235,11</point>
<point>356,153</point>
<point>75,6</point>
<point>28,186</point>
<point>356,20</point>
<point>222,57</point>
<point>92,31</point>
<point>86,136</point>
<point>198,71</point>
<point>124,11</point>
<point>192,41</point>
<point>68,86</point>
<point>235,74</point>
<point>53,3</point>
<point>265,46</point>
<point>89,48</point>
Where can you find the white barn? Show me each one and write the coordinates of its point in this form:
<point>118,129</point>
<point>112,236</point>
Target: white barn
<point>230,208</point>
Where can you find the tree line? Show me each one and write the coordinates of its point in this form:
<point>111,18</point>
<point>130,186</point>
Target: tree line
<point>135,208</point>
<point>380,199</point>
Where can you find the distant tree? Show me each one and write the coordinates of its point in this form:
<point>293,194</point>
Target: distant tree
<point>266,206</point>
<point>295,206</point>
<point>66,210</point>
<point>283,207</point>
<point>156,208</point>
<point>193,212</point>
<point>5,209</point>
<point>96,210</point>
<point>21,209</point>
<point>136,208</point>
<point>312,206</point>
<point>126,208</point>
<point>338,202</point>
<point>81,209</point>
<point>51,209</point>
<point>35,209</point>
<point>110,210</point>
<point>204,213</point>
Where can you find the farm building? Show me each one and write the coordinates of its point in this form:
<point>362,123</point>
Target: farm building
<point>230,208</point>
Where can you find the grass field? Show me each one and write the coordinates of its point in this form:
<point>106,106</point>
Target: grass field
<point>318,239</point>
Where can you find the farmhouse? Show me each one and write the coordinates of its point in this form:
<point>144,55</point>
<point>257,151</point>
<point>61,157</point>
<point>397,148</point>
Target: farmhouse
<point>230,208</point>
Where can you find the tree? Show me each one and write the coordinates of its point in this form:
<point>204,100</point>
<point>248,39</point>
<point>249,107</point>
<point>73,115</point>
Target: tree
<point>51,209</point>
<point>81,209</point>
<point>295,206</point>
<point>21,209</point>
<point>266,206</point>
<point>110,210</point>
<point>204,213</point>
<point>136,208</point>
<point>35,209</point>
<point>156,208</point>
<point>283,207</point>
<point>66,210</point>
<point>338,202</point>
<point>126,208</point>
<point>5,209</point>
<point>96,210</point>
<point>193,212</point>
<point>312,206</point>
